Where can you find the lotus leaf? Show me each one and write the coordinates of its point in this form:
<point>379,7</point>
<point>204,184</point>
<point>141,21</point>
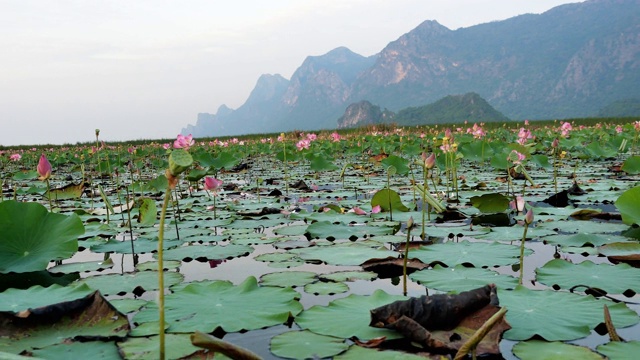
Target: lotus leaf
<point>461,278</point>
<point>618,350</point>
<point>343,253</point>
<point>326,288</point>
<point>306,345</point>
<point>82,266</point>
<point>141,245</point>
<point>583,227</point>
<point>627,204</point>
<point>514,233</point>
<point>207,305</point>
<point>558,316</point>
<point>153,265</point>
<point>357,353</point>
<point>348,317</point>
<point>288,278</point>
<point>621,251</point>
<point>329,231</point>
<point>490,203</point>
<point>113,284</point>
<point>631,165</point>
<point>31,236</point>
<point>543,350</point>
<point>614,279</point>
<point>349,276</point>
<point>478,254</point>
<point>177,346</point>
<point>90,316</point>
<point>209,252</point>
<point>388,199</point>
<point>97,350</point>
<point>126,306</point>
<point>583,239</point>
<point>15,300</point>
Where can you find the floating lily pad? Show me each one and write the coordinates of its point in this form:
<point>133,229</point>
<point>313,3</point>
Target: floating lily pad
<point>584,239</point>
<point>543,350</point>
<point>514,233</point>
<point>618,350</point>
<point>288,278</point>
<point>82,266</point>
<point>15,300</point>
<point>207,305</point>
<point>177,346</point>
<point>31,236</point>
<point>126,306</point>
<point>461,278</point>
<point>326,288</point>
<point>621,251</point>
<point>113,284</point>
<point>627,204</point>
<point>329,231</point>
<point>477,254</point>
<point>207,252</point>
<point>357,353</point>
<point>558,316</point>
<point>306,345</point>
<point>153,265</point>
<point>614,279</point>
<point>339,276</point>
<point>343,253</point>
<point>141,245</point>
<point>348,317</point>
<point>490,203</point>
<point>98,350</point>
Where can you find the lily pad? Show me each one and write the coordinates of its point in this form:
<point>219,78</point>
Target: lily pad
<point>288,278</point>
<point>31,236</point>
<point>544,350</point>
<point>618,350</point>
<point>621,251</point>
<point>357,353</point>
<point>82,266</point>
<point>15,300</point>
<point>348,317</point>
<point>207,305</point>
<point>558,316</point>
<point>349,276</point>
<point>306,345</point>
<point>490,203</point>
<point>477,254</point>
<point>177,346</point>
<point>343,253</point>
<point>388,199</point>
<point>208,252</point>
<point>461,278</point>
<point>98,350</point>
<point>614,279</point>
<point>112,284</point>
<point>326,288</point>
<point>329,231</point>
<point>584,239</point>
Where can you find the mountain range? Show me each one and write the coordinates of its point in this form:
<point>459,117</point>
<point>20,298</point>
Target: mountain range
<point>574,60</point>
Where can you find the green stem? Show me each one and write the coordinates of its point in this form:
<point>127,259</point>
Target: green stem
<point>163,213</point>
<point>404,264</point>
<point>49,195</point>
<point>524,237</point>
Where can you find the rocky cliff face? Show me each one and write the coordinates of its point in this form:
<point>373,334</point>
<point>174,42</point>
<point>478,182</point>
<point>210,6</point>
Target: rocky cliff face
<point>568,62</point>
<point>360,113</point>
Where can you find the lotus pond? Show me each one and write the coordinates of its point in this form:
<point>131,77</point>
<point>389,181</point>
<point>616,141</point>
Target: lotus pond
<point>283,245</point>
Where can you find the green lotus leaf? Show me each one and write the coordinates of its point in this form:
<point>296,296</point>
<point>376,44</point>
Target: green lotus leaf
<point>388,199</point>
<point>543,350</point>
<point>153,265</point>
<point>321,162</point>
<point>631,165</point>
<point>583,227</point>
<point>490,203</point>
<point>126,306</point>
<point>288,278</point>
<point>141,245</point>
<point>207,305</point>
<point>349,275</point>
<point>584,239</point>
<point>612,279</point>
<point>618,350</point>
<point>306,345</point>
<point>291,230</point>
<point>82,266</point>
<point>514,233</point>
<point>275,257</point>
<point>357,353</point>
<point>69,191</point>
<point>558,316</point>
<point>89,316</point>
<point>348,317</point>
<point>343,253</point>
<point>326,288</point>
<point>16,300</point>
<point>478,254</point>
<point>177,346</point>
<point>148,212</point>
<point>401,165</point>
<point>622,251</point>
<point>209,252</point>
<point>98,350</point>
<point>112,284</point>
<point>29,279</point>
<point>461,278</point>
<point>327,230</point>
<point>31,236</point>
<point>627,204</point>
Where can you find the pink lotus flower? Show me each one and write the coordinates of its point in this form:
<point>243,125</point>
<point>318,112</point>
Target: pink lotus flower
<point>517,204</point>
<point>303,144</point>
<point>212,184</point>
<point>166,146</point>
<point>516,157</point>
<point>523,136</point>
<point>565,128</point>
<point>619,129</point>
<point>335,137</point>
<point>15,157</point>
<point>429,161</point>
<point>376,209</point>
<point>359,211</point>
<point>44,168</point>
<point>312,137</point>
<point>183,142</point>
<point>528,218</point>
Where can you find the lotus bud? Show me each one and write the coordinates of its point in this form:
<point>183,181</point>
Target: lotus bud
<point>410,222</point>
<point>97,132</point>
<point>44,168</point>
<point>555,143</point>
<point>528,218</point>
<point>430,161</point>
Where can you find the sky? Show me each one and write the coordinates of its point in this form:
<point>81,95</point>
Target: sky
<point>144,69</point>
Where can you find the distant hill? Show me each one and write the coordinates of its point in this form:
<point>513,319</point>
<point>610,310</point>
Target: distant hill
<point>571,61</point>
<point>621,108</point>
<point>448,110</point>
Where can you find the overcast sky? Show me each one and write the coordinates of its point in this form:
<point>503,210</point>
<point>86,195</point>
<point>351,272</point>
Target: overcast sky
<point>144,69</point>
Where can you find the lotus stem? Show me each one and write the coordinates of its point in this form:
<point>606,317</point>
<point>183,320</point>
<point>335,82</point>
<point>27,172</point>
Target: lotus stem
<point>230,350</point>
<point>475,339</point>
<point>524,236</point>
<point>406,257</point>
<point>49,195</point>
<point>163,214</point>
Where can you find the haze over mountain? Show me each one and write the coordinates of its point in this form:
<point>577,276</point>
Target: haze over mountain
<point>571,61</point>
